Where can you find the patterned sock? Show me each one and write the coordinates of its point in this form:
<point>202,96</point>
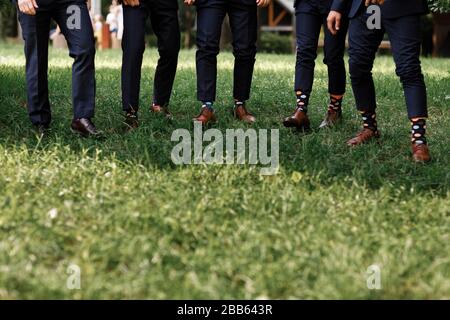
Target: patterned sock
<point>335,103</point>
<point>131,113</point>
<point>238,103</point>
<point>369,120</point>
<point>419,128</point>
<point>209,105</point>
<point>302,101</point>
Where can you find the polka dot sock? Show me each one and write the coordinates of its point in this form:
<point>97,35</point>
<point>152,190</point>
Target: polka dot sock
<point>335,103</point>
<point>419,128</point>
<point>369,120</point>
<point>302,101</point>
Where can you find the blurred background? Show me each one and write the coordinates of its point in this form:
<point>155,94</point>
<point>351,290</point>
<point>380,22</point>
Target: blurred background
<point>276,32</point>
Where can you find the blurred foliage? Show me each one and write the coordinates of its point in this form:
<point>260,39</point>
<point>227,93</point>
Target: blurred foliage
<point>439,6</point>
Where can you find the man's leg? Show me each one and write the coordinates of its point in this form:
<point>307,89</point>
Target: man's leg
<point>80,39</point>
<point>35,31</point>
<point>364,44</point>
<point>209,26</point>
<point>307,33</point>
<point>334,58</point>
<point>405,36</point>
<point>133,46</point>
<point>166,27</point>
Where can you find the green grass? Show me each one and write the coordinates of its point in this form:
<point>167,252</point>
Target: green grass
<point>140,227</point>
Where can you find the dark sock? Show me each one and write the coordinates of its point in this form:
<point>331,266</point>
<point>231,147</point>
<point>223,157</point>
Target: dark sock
<point>209,105</point>
<point>369,120</point>
<point>238,103</point>
<point>302,101</point>
<point>418,131</point>
<point>335,103</point>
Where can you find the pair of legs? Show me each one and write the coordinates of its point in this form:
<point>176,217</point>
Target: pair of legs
<point>404,35</point>
<point>80,40</point>
<point>308,26</point>
<point>163,15</point>
<point>243,22</point>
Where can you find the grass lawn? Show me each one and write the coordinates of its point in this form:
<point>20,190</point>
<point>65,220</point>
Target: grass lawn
<point>140,227</point>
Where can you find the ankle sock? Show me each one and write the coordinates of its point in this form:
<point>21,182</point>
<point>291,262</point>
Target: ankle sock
<point>335,103</point>
<point>238,103</point>
<point>209,105</point>
<point>418,131</point>
<point>302,101</point>
<point>369,120</point>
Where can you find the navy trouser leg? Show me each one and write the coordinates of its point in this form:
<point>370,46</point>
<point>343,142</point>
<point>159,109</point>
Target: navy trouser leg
<point>244,25</point>
<point>363,46</point>
<point>167,30</point>
<point>405,36</point>
<point>209,27</point>
<point>334,50</point>
<point>133,46</point>
<point>82,49</point>
<point>35,31</point>
<point>307,32</point>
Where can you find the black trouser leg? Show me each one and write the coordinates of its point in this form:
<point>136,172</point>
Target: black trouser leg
<point>35,31</point>
<point>166,27</point>
<point>244,25</point>
<point>82,49</point>
<point>334,50</point>
<point>133,46</point>
<point>364,44</point>
<point>209,27</point>
<point>405,36</point>
<point>307,33</point>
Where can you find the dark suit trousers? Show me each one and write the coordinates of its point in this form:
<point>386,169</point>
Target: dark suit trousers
<point>404,34</point>
<point>166,28</point>
<point>81,48</point>
<point>308,27</point>
<point>243,22</point>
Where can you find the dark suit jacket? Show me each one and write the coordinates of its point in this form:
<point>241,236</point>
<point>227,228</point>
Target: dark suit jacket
<point>390,9</point>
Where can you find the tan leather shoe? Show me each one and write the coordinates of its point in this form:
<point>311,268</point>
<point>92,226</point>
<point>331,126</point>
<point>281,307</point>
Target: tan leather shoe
<point>299,119</point>
<point>164,110</point>
<point>331,119</point>
<point>131,121</point>
<point>206,116</point>
<point>241,113</point>
<point>364,136</point>
<point>421,153</point>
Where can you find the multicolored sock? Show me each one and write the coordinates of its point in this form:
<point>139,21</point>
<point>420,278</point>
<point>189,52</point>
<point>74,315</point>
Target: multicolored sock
<point>418,131</point>
<point>302,101</point>
<point>335,103</point>
<point>369,120</point>
<point>209,105</point>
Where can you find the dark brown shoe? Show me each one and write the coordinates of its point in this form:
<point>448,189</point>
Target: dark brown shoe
<point>364,136</point>
<point>164,110</point>
<point>206,116</point>
<point>420,153</point>
<point>85,128</point>
<point>332,118</point>
<point>241,113</point>
<point>131,121</point>
<point>299,119</point>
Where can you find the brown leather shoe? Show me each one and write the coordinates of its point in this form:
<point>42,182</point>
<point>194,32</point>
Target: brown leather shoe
<point>420,153</point>
<point>131,121</point>
<point>85,128</point>
<point>364,136</point>
<point>332,118</point>
<point>206,116</point>
<point>299,119</point>
<point>241,113</point>
<point>161,110</point>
